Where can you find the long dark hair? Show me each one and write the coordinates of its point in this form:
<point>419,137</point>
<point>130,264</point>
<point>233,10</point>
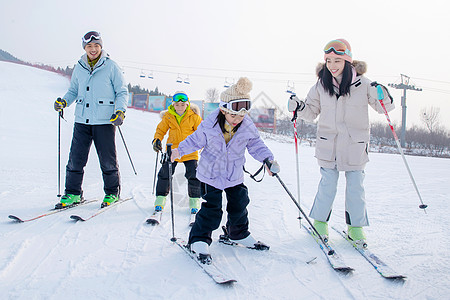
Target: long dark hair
<point>221,121</point>
<point>326,79</point>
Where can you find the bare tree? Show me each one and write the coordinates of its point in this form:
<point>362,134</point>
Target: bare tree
<point>430,117</point>
<point>212,95</point>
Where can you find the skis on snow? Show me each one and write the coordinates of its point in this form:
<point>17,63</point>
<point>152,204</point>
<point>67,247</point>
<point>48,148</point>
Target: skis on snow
<point>99,211</point>
<point>335,260</point>
<point>225,239</point>
<point>51,212</point>
<point>381,267</point>
<point>155,218</point>
<point>338,264</point>
<point>210,269</point>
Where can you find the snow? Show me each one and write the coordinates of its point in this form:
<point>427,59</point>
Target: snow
<point>117,256</point>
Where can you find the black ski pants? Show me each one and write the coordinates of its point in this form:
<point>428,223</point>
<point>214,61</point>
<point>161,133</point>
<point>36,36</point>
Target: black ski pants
<point>210,214</point>
<point>162,186</point>
<point>105,144</point>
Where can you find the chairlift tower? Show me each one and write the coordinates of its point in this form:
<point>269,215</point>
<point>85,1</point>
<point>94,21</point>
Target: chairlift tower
<point>404,86</point>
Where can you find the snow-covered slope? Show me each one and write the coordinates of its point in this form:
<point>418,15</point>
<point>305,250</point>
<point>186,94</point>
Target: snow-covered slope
<point>117,256</point>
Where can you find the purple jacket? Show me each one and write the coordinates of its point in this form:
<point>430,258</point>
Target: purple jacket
<point>221,165</point>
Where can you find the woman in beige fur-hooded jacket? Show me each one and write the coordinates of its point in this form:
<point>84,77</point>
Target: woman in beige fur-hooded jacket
<point>341,99</point>
<point>343,128</point>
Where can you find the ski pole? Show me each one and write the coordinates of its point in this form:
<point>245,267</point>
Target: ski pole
<point>330,250</point>
<point>380,98</point>
<point>169,162</point>
<point>154,177</point>
<point>60,116</point>
<point>297,167</point>
<point>126,148</point>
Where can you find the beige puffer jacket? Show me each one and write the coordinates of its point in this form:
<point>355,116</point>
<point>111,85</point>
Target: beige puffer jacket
<point>343,129</point>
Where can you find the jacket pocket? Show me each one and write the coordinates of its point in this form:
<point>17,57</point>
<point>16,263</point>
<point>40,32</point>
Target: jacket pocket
<point>325,147</point>
<point>79,107</point>
<point>105,109</point>
<point>236,171</point>
<point>209,169</point>
<point>358,153</point>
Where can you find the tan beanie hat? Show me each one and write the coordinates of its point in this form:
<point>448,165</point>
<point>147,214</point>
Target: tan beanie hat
<point>239,90</point>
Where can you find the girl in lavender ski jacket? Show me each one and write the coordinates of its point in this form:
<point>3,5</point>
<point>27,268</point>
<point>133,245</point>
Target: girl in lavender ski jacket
<point>224,135</point>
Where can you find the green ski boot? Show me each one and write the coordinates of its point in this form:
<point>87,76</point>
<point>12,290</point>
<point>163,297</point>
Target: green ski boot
<point>160,202</point>
<point>68,200</point>
<point>109,199</point>
<point>322,229</point>
<point>356,235</point>
<point>194,205</point>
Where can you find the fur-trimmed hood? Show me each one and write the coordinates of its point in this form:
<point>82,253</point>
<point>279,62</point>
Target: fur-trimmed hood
<point>192,106</point>
<point>360,67</point>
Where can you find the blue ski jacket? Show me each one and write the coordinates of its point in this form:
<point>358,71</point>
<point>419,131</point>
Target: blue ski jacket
<point>98,93</point>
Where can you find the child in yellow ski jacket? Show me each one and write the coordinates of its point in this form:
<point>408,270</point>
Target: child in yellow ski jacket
<point>180,120</point>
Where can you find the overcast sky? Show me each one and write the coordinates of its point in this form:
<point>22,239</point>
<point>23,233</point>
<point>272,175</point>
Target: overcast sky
<point>271,42</point>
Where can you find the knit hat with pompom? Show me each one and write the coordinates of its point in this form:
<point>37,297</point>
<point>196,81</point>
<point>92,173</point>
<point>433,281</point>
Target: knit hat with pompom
<point>239,90</point>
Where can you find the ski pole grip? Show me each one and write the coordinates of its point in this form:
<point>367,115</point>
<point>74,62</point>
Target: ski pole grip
<point>380,92</point>
<point>169,150</point>
<point>267,162</point>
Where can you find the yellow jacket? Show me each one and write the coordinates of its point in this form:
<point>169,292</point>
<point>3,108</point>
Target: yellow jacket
<point>178,132</point>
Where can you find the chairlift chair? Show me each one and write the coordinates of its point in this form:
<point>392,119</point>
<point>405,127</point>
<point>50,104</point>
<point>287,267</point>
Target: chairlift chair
<point>186,80</point>
<point>142,74</point>
<point>227,83</point>
<point>150,75</point>
<point>290,87</point>
<point>179,79</point>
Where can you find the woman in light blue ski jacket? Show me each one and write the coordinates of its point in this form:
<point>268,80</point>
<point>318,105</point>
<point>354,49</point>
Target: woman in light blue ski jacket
<point>97,97</point>
<point>221,165</point>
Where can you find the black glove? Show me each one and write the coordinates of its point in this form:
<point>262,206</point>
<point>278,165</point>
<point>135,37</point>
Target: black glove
<point>60,104</point>
<point>157,146</point>
<point>295,104</point>
<point>117,118</point>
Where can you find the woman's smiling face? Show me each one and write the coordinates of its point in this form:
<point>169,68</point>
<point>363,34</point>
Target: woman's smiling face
<point>335,66</point>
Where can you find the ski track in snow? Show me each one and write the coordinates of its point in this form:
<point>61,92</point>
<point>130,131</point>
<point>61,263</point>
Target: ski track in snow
<point>116,255</point>
<point>12,255</point>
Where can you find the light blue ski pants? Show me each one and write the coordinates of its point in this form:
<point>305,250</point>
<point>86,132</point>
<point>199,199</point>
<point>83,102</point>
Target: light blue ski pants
<point>355,203</point>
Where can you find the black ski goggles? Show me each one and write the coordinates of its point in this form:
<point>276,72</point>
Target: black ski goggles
<point>237,105</point>
<point>180,97</point>
<point>91,35</point>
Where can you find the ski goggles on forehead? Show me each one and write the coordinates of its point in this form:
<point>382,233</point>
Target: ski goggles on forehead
<point>337,47</point>
<point>88,37</point>
<point>237,105</point>
<point>180,97</point>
